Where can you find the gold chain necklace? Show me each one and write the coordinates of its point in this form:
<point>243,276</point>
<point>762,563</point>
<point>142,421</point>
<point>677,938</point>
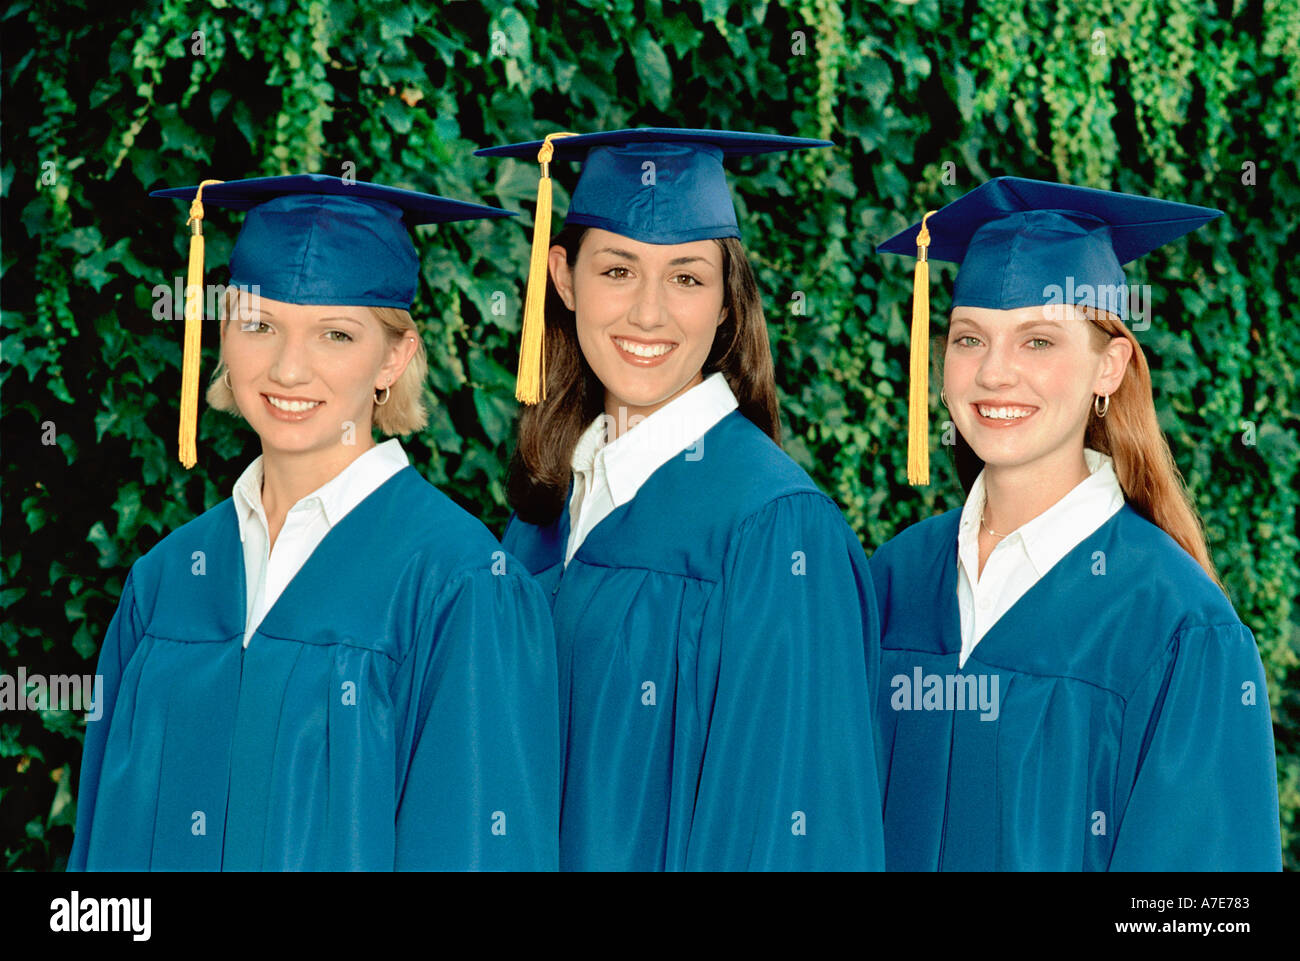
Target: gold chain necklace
<point>991,531</point>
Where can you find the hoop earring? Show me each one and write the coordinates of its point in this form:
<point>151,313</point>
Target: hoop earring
<point>381,403</point>
<point>225,378</point>
<point>943,397</point>
<point>1098,407</point>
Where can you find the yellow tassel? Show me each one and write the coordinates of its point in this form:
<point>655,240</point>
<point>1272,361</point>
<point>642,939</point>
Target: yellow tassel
<point>530,383</point>
<point>918,394</point>
<point>193,333</point>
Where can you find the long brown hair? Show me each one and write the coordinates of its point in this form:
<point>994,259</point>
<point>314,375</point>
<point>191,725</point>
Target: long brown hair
<point>1131,435</point>
<point>548,432</point>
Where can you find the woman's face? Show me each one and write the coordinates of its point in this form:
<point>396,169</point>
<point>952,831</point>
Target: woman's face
<point>1020,383</point>
<point>646,314</point>
<point>305,376</point>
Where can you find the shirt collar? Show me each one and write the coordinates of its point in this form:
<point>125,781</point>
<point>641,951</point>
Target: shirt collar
<point>968,528</point>
<point>335,497</point>
<point>647,445</point>
<point>1044,537</point>
<point>248,497</point>
<point>974,507</point>
<point>1051,535</point>
<point>591,441</point>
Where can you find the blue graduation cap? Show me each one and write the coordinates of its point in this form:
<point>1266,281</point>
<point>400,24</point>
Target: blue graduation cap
<point>314,239</point>
<point>309,239</point>
<point>658,185</point>
<point>1024,243</point>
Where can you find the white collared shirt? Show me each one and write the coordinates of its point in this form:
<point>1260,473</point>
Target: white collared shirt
<point>1026,554</point>
<point>607,475</point>
<point>269,571</point>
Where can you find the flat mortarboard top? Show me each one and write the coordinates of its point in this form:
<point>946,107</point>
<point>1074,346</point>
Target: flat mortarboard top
<point>1026,243</point>
<point>314,239</point>
<point>309,239</point>
<point>1017,238</point>
<point>658,185</point>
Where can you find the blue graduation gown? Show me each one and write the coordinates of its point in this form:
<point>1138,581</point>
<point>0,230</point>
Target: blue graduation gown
<point>395,709</point>
<point>1131,730</point>
<point>717,636</point>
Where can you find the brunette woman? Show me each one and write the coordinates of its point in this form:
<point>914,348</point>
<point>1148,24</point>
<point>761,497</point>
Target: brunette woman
<point>714,614</point>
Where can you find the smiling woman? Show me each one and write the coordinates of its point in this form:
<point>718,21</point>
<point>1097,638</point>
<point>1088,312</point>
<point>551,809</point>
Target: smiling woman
<point>716,314</point>
<point>1134,730</point>
<point>655,307</point>
<point>714,615</point>
<point>1120,413</point>
<point>401,412</point>
<point>336,668</point>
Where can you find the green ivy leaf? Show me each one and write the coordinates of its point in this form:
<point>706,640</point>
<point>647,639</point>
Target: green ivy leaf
<point>495,414</point>
<point>652,67</point>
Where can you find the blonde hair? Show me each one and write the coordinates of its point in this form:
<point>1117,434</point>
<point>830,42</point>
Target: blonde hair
<point>404,413</point>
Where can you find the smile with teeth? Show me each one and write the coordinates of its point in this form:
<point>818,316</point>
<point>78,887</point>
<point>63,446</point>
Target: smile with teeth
<point>292,406</point>
<point>1004,413</point>
<point>642,350</point>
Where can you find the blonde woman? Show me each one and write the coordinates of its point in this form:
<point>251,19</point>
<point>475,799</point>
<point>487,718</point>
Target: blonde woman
<point>336,668</point>
<point>1065,685</point>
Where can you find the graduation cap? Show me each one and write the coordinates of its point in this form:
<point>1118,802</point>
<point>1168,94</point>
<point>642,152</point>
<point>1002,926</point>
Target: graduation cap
<point>309,239</point>
<point>658,185</point>
<point>1024,243</point>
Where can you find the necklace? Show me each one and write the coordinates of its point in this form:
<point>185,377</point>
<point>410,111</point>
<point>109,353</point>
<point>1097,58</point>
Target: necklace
<point>991,531</point>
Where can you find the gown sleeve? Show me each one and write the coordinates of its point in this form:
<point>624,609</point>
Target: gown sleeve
<point>789,774</point>
<point>124,633</point>
<point>1199,733</point>
<point>481,750</point>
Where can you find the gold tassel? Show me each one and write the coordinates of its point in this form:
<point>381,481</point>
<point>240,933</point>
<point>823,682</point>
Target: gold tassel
<point>193,333</point>
<point>918,394</point>
<point>530,382</point>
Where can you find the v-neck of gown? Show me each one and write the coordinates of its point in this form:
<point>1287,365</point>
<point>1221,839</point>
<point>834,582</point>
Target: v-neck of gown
<point>308,577</point>
<point>998,647</point>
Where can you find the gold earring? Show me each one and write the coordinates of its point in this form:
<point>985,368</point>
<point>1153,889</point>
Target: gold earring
<point>226,379</point>
<point>380,403</point>
<point>943,397</point>
<point>1098,407</point>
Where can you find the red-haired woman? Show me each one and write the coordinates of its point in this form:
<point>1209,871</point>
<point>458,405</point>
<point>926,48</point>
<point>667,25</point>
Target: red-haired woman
<point>1064,684</point>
